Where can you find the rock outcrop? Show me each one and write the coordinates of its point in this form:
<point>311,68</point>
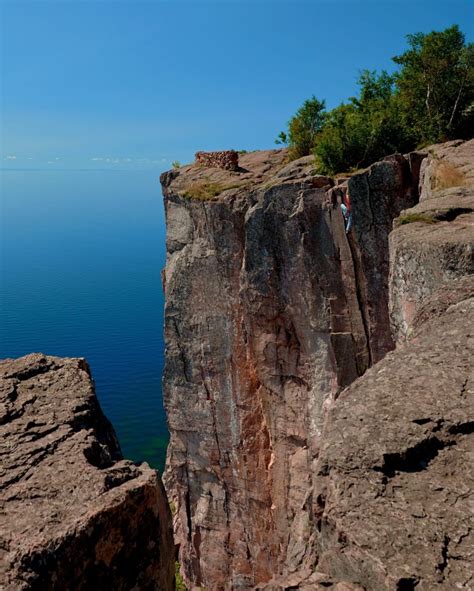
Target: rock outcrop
<point>271,310</point>
<point>395,474</point>
<point>433,241</point>
<point>75,515</point>
<point>447,165</point>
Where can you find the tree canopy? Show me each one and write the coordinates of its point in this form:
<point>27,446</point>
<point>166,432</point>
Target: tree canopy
<point>436,84</point>
<point>304,127</point>
<point>430,98</point>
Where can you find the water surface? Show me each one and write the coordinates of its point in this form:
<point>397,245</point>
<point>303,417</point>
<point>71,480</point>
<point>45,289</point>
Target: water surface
<point>81,255</point>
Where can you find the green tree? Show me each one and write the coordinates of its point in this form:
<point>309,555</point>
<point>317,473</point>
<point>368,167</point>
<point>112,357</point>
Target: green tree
<point>436,85</point>
<point>365,130</point>
<point>429,99</point>
<point>303,128</point>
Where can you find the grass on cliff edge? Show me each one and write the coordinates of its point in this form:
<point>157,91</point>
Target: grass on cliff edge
<point>410,218</point>
<point>207,190</point>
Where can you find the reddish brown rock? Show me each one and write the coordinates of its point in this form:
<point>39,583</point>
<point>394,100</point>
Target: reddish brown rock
<point>377,197</point>
<point>227,159</point>
<point>436,305</point>
<point>308,580</point>
<point>270,311</point>
<point>448,165</point>
<point>433,243</point>
<point>396,483</point>
<point>75,515</point>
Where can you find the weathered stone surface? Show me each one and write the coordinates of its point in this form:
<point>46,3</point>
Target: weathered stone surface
<point>396,476</point>
<point>270,310</point>
<point>448,164</point>
<point>308,580</point>
<point>75,515</point>
<point>426,256</point>
<point>226,159</point>
<point>437,245</point>
<point>437,304</point>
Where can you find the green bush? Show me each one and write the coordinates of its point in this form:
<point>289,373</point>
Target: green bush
<point>436,85</point>
<point>364,130</point>
<point>429,99</point>
<point>303,128</point>
<point>178,578</point>
<point>176,164</point>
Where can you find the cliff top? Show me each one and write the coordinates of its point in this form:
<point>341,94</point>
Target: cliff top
<point>445,212</point>
<point>256,169</point>
<point>451,164</point>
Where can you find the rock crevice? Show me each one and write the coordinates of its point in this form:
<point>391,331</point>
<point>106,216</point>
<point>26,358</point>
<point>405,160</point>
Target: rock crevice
<point>273,310</point>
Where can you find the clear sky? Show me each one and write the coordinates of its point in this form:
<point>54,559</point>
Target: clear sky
<point>138,84</point>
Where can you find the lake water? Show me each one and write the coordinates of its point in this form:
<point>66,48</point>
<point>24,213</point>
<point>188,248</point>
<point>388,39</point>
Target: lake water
<point>81,256</point>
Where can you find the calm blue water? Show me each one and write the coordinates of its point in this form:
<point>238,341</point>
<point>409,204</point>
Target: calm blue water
<point>81,258</point>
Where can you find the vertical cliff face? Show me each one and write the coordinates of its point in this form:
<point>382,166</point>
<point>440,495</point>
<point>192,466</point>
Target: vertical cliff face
<point>75,514</point>
<point>378,195</point>
<point>270,311</point>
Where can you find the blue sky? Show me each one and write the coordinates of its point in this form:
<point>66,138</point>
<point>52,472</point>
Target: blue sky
<point>138,84</point>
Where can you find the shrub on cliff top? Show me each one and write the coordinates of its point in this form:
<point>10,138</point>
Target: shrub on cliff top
<point>364,130</point>
<point>429,99</point>
<point>436,85</point>
<point>303,128</point>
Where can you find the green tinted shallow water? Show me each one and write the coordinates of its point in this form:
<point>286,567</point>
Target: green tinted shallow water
<point>81,256</point>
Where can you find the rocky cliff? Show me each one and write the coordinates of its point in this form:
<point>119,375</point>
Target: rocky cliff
<point>394,477</point>
<point>433,241</point>
<point>271,311</point>
<point>75,515</point>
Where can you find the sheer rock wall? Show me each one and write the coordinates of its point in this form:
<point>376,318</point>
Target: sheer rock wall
<point>270,311</point>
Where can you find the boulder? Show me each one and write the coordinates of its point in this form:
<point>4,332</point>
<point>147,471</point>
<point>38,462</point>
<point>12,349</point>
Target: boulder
<point>75,514</point>
<point>396,480</point>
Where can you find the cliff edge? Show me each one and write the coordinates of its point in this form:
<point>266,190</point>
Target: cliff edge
<point>271,311</point>
<point>75,515</point>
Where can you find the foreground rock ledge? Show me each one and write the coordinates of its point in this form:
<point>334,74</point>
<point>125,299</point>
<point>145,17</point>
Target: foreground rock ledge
<point>396,475</point>
<point>75,515</point>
